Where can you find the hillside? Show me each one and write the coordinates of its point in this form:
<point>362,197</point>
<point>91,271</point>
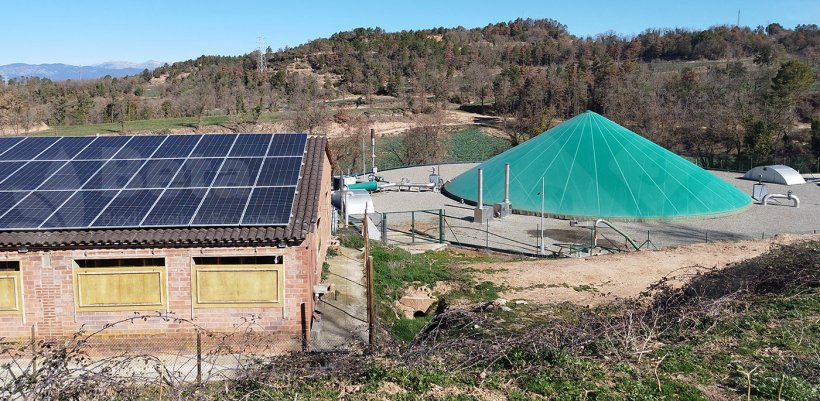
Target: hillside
<point>724,92</point>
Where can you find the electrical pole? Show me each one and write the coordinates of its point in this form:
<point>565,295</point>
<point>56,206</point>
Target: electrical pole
<point>260,45</point>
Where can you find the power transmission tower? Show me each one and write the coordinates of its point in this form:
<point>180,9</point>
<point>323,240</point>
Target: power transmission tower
<point>260,43</point>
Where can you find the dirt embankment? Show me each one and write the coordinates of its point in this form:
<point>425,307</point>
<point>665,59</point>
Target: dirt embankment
<point>600,279</point>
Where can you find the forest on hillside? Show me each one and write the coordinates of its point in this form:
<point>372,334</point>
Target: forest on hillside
<point>721,91</point>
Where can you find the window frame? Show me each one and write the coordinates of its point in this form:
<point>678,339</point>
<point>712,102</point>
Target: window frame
<point>277,268</point>
<point>79,272</point>
<point>16,276</point>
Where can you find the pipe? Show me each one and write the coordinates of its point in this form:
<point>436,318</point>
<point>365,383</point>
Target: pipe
<point>373,150</point>
<point>507,183</point>
<point>608,224</point>
<point>789,196</point>
<point>480,202</point>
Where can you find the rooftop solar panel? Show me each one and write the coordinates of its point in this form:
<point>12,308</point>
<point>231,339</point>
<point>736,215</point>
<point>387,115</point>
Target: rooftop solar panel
<point>127,209</point>
<point>29,148</point>
<point>49,183</point>
<point>288,145</point>
<point>269,206</point>
<point>140,147</point>
<point>34,209</point>
<point>80,210</point>
<point>115,174</point>
<point>214,145</point>
<point>177,146</point>
<point>8,143</point>
<point>238,172</point>
<point>72,175</point>
<point>66,148</point>
<point>197,173</point>
<point>104,147</point>
<point>222,206</point>
<point>278,171</point>
<point>176,207</point>
<point>250,145</point>
<point>156,173</point>
<point>30,176</point>
<point>7,168</point>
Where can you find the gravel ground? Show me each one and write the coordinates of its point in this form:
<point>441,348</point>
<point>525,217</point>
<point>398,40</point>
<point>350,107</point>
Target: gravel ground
<point>519,233</point>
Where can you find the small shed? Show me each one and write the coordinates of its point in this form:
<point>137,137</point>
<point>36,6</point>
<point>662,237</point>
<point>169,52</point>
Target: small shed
<point>775,174</point>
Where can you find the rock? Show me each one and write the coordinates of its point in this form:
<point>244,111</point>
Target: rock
<point>521,302</point>
<point>416,300</point>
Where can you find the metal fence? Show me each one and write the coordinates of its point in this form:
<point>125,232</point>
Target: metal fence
<point>522,235</point>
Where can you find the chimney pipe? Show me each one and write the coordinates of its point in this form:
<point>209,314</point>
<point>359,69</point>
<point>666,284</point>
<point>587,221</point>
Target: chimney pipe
<point>480,202</point>
<point>507,183</point>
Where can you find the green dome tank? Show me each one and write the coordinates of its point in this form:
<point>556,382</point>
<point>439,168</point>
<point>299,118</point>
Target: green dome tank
<point>594,168</point>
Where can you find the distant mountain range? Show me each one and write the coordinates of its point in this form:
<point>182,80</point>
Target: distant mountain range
<point>59,72</point>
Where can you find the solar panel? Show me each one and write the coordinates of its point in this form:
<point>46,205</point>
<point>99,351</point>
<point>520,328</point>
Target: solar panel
<point>288,145</point>
<point>222,206</point>
<point>279,171</point>
<point>104,147</point>
<point>29,148</point>
<point>177,146</point>
<point>238,172</point>
<point>51,183</point>
<point>72,175</point>
<point>127,209</point>
<point>269,206</point>
<point>156,173</point>
<point>176,207</point>
<point>214,145</point>
<point>8,143</point>
<point>7,168</point>
<point>140,147</point>
<point>197,173</point>
<point>250,145</point>
<point>115,174</point>
<point>80,210</point>
<point>66,148</point>
<point>30,176</point>
<point>34,209</point>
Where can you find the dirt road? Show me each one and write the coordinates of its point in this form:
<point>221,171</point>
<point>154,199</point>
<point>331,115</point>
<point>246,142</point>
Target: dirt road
<point>600,279</point>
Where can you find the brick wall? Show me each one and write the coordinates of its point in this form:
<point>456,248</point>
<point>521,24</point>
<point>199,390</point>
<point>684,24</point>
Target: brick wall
<point>48,296</point>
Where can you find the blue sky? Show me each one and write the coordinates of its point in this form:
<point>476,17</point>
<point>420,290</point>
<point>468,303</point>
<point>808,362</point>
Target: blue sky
<point>84,32</point>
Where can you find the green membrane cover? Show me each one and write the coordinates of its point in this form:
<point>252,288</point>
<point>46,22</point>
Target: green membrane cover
<point>595,168</point>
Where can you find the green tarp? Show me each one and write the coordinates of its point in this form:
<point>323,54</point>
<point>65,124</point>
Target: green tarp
<point>595,168</point>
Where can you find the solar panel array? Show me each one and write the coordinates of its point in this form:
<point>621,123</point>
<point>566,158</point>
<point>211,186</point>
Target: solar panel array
<point>49,183</point>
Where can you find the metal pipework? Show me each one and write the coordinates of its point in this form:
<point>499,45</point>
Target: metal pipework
<point>788,196</point>
<point>373,150</point>
<point>480,202</point>
<point>507,183</point>
<point>608,224</point>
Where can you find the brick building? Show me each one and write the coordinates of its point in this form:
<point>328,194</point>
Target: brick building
<point>58,280</point>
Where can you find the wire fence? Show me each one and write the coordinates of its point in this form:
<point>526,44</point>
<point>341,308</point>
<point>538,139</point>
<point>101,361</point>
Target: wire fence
<point>187,354</point>
<point>522,235</point>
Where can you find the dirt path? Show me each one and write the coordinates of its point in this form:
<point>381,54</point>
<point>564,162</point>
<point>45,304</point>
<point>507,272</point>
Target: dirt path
<point>601,279</point>
<point>344,308</point>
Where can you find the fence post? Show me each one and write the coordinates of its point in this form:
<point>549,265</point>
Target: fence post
<point>304,328</point>
<point>487,246</point>
<point>707,237</point>
<point>441,226</point>
<point>371,318</point>
<point>198,357</point>
<point>413,227</point>
<point>33,352</point>
<point>384,228</point>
